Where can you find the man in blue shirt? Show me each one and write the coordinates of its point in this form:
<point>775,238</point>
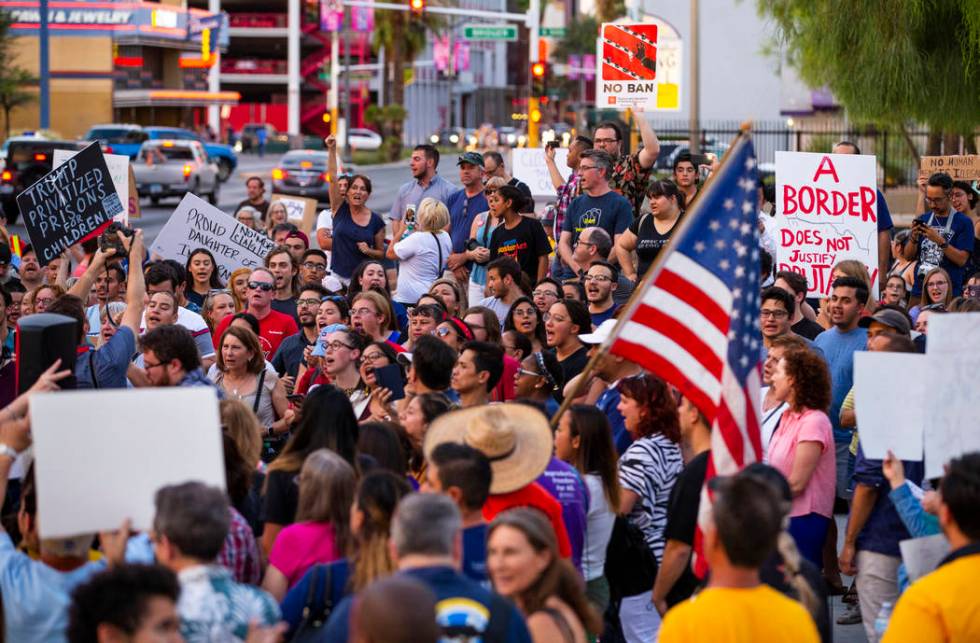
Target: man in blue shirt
<point>425,183</point>
<point>839,343</point>
<point>941,238</point>
<point>106,367</point>
<point>599,207</point>
<point>464,205</point>
<point>425,537</point>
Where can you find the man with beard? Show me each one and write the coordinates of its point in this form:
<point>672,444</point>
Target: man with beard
<point>290,354</point>
<point>273,326</point>
<point>170,358</point>
<point>630,172</point>
<point>110,285</point>
<point>425,183</point>
<point>30,270</point>
<point>283,266</point>
<point>600,281</point>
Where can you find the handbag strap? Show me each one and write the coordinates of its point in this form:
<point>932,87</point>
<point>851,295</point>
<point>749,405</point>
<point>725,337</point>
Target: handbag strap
<point>258,392</point>
<point>439,249</point>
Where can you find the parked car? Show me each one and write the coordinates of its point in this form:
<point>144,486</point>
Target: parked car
<point>302,173</point>
<point>364,139</point>
<point>452,137</point>
<point>118,138</point>
<point>27,159</point>
<point>172,168</point>
<point>223,155</point>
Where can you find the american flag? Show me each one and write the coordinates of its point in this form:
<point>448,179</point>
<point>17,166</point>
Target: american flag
<point>695,321</point>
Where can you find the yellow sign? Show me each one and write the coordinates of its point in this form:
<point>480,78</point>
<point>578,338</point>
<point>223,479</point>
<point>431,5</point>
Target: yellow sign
<point>668,96</point>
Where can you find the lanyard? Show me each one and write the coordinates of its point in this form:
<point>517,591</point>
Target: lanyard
<point>949,221</point>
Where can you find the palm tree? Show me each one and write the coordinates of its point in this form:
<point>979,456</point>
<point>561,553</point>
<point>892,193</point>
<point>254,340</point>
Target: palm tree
<point>13,93</point>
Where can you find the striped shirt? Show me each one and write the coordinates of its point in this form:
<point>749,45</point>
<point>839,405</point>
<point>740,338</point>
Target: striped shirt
<point>649,468</point>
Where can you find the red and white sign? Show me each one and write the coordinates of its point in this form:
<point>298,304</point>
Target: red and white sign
<point>826,212</point>
<point>626,59</point>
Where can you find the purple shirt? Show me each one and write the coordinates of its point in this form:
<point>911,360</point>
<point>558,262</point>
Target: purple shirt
<point>563,483</point>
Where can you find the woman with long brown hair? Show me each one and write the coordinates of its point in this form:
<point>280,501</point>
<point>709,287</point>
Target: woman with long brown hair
<point>524,565</point>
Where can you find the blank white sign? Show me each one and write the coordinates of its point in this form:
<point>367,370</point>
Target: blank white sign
<point>100,456</point>
<point>889,404</point>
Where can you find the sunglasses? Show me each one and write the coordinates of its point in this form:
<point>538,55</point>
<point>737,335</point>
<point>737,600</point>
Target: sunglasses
<point>261,285</point>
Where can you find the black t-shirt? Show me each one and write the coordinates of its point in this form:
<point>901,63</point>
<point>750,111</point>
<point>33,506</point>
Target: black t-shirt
<point>525,243</point>
<point>281,497</point>
<point>682,519</point>
<point>286,307</point>
<point>807,328</point>
<point>648,241</point>
<point>574,363</point>
<point>263,207</point>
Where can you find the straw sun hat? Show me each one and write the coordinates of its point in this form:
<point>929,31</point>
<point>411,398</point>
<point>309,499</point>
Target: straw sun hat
<point>515,437</point>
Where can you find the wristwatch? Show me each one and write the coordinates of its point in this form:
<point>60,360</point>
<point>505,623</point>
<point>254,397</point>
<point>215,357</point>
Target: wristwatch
<point>9,451</point>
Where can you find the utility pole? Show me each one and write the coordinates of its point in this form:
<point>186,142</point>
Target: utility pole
<point>695,125</point>
<point>333,101</point>
<point>347,24</point>
<point>45,72</point>
<point>214,78</point>
<point>292,68</point>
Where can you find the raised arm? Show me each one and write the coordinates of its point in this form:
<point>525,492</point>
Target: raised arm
<point>84,284</point>
<point>651,145</point>
<point>549,159</point>
<point>135,284</point>
<point>332,173</point>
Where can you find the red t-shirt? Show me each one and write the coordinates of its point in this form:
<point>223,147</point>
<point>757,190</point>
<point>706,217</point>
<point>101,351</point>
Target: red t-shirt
<point>533,495</point>
<point>274,328</point>
<point>506,388</point>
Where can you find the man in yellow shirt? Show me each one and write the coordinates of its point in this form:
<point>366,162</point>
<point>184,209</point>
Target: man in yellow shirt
<point>736,607</point>
<point>944,606</point>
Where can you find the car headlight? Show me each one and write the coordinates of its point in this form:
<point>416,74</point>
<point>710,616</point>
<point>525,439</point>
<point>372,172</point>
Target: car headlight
<point>511,138</point>
<point>434,139</point>
<point>454,138</point>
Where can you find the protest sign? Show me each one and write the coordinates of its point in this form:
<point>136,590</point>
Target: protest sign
<point>119,170</point>
<point>134,196</point>
<point>300,210</point>
<point>953,353</point>
<point>94,470</point>
<point>627,69</point>
<point>959,168</point>
<point>527,164</point>
<point>198,224</point>
<point>883,424</point>
<point>68,203</point>
<point>826,212</point>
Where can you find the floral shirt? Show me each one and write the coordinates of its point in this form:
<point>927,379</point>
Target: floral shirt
<point>213,608</point>
<point>631,180</point>
<point>567,192</point>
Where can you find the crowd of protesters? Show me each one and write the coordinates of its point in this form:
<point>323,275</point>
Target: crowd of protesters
<point>387,402</point>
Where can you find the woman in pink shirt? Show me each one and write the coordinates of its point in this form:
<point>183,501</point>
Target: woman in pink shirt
<point>322,527</point>
<point>802,447</point>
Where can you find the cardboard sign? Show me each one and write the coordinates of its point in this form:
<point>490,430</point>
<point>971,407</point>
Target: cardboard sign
<point>883,424</point>
<point>528,165</point>
<point>953,350</point>
<point>626,69</point>
<point>118,165</point>
<point>959,168</point>
<point>198,224</point>
<point>301,210</point>
<point>94,470</point>
<point>826,212</point>
<point>68,203</point>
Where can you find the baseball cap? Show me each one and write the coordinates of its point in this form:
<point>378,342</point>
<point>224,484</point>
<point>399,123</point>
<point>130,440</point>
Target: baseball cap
<point>297,234</point>
<point>321,342</point>
<point>600,334</point>
<point>473,158</point>
<point>888,317</point>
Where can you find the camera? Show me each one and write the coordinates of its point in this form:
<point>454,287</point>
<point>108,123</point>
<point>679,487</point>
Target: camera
<point>108,239</point>
<point>472,245</point>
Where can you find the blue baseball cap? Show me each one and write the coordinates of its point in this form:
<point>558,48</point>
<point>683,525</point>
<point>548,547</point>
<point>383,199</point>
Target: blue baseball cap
<point>321,342</point>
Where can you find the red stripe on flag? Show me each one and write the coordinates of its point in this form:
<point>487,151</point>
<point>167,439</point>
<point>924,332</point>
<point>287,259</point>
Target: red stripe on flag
<point>731,434</point>
<point>663,323</point>
<point>656,364</point>
<point>677,285</point>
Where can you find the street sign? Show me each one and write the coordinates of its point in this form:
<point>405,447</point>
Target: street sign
<point>552,32</point>
<point>490,32</point>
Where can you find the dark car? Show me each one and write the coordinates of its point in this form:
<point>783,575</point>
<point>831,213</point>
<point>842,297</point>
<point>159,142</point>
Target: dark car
<point>302,173</point>
<point>28,159</point>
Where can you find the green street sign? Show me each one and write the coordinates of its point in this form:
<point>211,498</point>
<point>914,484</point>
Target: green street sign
<point>490,32</point>
<point>552,32</point>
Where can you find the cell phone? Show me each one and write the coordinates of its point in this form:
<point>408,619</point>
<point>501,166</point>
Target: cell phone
<point>553,145</point>
<point>296,399</point>
<point>972,291</point>
<point>390,377</point>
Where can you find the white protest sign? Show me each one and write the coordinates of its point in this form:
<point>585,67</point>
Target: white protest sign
<point>527,164</point>
<point>883,424</point>
<point>198,224</point>
<point>118,165</point>
<point>95,469</point>
<point>628,70</point>
<point>300,211</point>
<point>953,352</point>
<point>826,212</point>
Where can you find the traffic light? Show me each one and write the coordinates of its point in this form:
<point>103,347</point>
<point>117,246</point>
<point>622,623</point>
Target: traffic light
<point>539,78</point>
<point>417,7</point>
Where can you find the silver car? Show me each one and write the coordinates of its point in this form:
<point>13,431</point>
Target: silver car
<point>172,168</point>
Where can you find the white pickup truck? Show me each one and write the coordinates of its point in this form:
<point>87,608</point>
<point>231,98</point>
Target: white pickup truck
<point>172,168</point>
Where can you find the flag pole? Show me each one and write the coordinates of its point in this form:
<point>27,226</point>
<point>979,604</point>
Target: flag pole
<point>640,288</point>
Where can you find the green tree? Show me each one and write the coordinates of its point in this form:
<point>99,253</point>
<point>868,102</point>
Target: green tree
<point>888,62</point>
<point>580,37</point>
<point>610,10</point>
<point>14,80</point>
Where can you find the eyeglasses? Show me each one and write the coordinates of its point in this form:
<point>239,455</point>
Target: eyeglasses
<point>556,318</point>
<point>938,199</point>
<point>522,371</point>
<point>524,312</point>
<point>312,265</point>
<point>443,332</point>
<point>583,242</point>
<point>308,302</point>
<point>261,285</point>
<point>363,311</point>
<point>599,279</point>
<point>604,141</point>
<point>373,357</point>
<point>336,346</point>
<point>544,293</point>
<point>586,168</point>
<point>147,366</point>
<point>775,314</point>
